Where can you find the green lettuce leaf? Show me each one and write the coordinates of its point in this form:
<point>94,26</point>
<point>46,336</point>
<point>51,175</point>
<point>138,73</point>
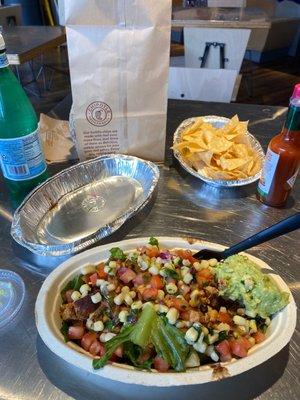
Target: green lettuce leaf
<point>64,330</point>
<point>112,344</point>
<point>74,284</point>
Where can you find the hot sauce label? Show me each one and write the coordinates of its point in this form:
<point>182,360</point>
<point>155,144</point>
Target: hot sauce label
<point>268,172</point>
<point>292,179</point>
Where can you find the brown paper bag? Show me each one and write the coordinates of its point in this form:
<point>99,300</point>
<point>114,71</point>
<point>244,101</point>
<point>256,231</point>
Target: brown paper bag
<point>119,60</point>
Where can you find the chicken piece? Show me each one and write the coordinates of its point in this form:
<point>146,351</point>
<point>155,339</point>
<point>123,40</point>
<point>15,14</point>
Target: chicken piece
<point>67,312</point>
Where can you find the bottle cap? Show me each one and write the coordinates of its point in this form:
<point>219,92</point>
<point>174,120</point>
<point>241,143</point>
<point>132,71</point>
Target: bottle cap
<point>296,92</point>
<point>12,293</point>
<point>2,43</point>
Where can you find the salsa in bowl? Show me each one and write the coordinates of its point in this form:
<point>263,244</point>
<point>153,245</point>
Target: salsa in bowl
<point>144,306</point>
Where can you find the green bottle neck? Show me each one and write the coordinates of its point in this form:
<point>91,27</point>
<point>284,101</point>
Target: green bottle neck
<point>292,122</point>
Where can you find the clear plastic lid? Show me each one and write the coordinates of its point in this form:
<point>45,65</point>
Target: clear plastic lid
<point>12,293</point>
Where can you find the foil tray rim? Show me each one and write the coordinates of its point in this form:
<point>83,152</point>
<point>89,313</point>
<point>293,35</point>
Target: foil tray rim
<point>221,183</point>
<point>83,243</point>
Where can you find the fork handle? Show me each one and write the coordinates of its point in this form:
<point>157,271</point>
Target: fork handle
<point>285,226</point>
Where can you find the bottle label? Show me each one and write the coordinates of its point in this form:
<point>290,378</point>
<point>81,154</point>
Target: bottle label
<point>268,172</point>
<point>3,60</point>
<point>292,179</point>
<point>22,158</point>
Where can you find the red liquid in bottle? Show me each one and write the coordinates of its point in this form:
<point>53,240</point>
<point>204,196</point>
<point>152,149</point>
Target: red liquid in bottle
<point>282,159</point>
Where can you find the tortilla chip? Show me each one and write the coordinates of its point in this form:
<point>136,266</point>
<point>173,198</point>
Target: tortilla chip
<point>230,164</point>
<point>219,153</point>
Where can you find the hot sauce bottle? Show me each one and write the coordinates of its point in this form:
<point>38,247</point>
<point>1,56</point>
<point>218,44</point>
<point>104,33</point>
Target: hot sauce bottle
<point>282,159</point>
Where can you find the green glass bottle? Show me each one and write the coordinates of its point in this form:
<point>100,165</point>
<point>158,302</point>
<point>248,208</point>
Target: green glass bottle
<point>21,156</point>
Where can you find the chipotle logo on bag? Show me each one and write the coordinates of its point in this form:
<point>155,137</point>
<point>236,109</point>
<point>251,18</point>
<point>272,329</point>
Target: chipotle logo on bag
<point>98,113</point>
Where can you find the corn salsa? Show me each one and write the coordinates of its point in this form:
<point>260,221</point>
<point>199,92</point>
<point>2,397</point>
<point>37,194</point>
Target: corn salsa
<point>156,308</point>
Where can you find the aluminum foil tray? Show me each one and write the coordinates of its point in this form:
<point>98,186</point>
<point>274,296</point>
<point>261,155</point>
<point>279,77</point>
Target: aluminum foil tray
<point>83,204</point>
<point>218,122</point>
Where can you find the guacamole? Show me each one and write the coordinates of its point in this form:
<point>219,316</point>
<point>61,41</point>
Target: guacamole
<point>240,280</point>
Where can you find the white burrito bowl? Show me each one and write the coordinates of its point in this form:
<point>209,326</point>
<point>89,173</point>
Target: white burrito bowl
<point>48,323</point>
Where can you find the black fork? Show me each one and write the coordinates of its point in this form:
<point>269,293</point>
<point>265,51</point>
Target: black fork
<point>285,226</point>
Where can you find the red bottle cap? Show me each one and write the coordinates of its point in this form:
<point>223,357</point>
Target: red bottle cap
<point>296,92</point>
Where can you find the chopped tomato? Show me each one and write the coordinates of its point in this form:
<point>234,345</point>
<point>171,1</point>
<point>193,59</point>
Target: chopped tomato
<point>68,295</point>
<point>100,271</point>
<point>97,349</point>
<point>204,275</point>
<point>190,315</point>
<point>127,275</point>
<point>156,282</point>
<point>93,279</point>
<point>186,255</point>
<point>223,348</point>
<point>138,280</point>
<point>259,336</point>
<point>153,252</point>
<point>87,340</point>
<point>121,270</point>
<point>160,364</point>
<point>114,358</point>
<point>149,294</point>
<point>179,304</point>
<point>224,317</point>
<point>238,348</point>
<point>86,278</point>
<point>75,332</point>
<point>119,351</point>
<point>245,342</point>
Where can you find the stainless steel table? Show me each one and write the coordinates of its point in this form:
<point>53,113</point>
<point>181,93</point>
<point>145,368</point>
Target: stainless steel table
<point>183,207</point>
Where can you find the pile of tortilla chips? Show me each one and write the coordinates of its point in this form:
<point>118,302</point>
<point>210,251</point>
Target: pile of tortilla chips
<point>219,153</point>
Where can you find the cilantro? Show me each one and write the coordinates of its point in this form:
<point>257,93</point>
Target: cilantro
<point>223,335</point>
<point>109,325</point>
<point>153,241</point>
<point>117,254</point>
<point>178,261</point>
<point>134,257</point>
<point>210,331</point>
<point>261,323</point>
<point>64,330</point>
<point>263,328</point>
<point>170,273</point>
<point>74,284</point>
